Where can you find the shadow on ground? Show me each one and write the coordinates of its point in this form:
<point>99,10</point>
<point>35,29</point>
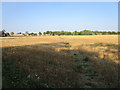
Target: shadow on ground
<point>41,66</point>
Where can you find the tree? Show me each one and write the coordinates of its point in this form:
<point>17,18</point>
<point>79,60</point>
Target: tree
<point>7,34</point>
<point>49,32</point>
<point>86,32</point>
<point>34,34</point>
<point>44,33</point>
<point>24,34</point>
<point>11,33</point>
<point>31,34</point>
<point>75,33</point>
<point>53,34</point>
<point>40,33</point>
<point>2,33</point>
<point>19,33</point>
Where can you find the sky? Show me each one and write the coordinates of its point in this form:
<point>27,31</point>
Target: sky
<point>57,16</point>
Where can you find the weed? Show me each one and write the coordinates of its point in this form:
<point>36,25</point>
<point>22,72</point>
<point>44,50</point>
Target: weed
<point>86,58</point>
<point>90,84</point>
<point>67,44</point>
<point>90,72</point>
<point>79,68</point>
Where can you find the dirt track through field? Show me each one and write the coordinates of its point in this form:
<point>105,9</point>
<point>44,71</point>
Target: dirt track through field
<point>87,76</point>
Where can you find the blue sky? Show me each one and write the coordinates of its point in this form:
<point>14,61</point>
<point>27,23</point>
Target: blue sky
<point>67,16</point>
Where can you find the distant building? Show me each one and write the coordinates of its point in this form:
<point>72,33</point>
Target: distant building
<point>18,35</point>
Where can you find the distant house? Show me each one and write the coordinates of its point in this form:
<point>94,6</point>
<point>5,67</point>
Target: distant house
<point>18,35</point>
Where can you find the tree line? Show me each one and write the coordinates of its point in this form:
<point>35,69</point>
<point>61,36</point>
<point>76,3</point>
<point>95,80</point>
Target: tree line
<point>84,32</point>
<point>3,33</point>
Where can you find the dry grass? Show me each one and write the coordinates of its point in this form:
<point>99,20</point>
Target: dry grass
<point>74,40</point>
<point>104,63</point>
<point>55,68</point>
<point>49,59</point>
